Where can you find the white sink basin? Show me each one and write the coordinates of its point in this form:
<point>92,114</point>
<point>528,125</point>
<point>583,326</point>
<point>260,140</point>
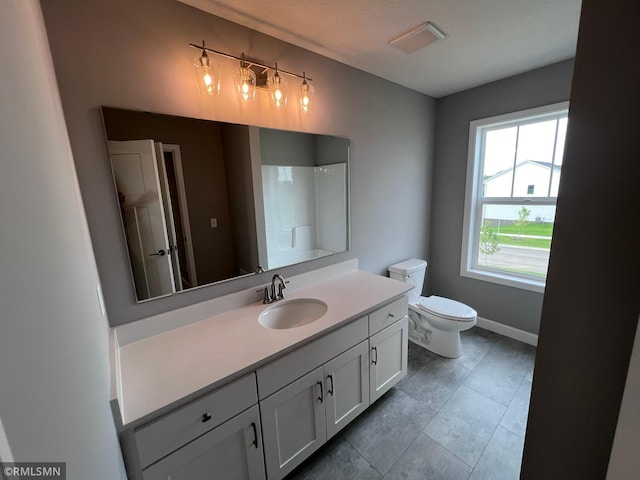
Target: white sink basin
<point>292,313</point>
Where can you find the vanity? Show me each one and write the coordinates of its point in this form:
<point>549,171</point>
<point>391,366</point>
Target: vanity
<point>227,397</point>
<point>231,387</point>
<point>234,388</point>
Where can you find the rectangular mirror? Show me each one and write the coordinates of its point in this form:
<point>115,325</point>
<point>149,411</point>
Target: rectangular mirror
<point>205,201</point>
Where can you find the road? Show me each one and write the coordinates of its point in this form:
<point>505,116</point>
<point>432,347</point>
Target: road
<point>521,258</point>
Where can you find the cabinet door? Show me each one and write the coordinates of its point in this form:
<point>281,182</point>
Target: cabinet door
<point>388,358</point>
<point>346,380</point>
<point>293,423</point>
<point>232,451</point>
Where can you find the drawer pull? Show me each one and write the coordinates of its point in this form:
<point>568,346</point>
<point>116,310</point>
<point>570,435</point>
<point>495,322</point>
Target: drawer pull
<point>206,417</point>
<point>330,391</point>
<point>255,434</point>
<point>392,315</point>
<point>375,349</point>
<point>321,397</point>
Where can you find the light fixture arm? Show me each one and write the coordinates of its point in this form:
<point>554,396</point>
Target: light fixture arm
<point>248,63</point>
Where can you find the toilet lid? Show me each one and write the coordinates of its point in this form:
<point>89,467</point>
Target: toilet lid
<point>447,308</point>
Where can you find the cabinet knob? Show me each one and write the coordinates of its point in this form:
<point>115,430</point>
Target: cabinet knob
<point>206,417</point>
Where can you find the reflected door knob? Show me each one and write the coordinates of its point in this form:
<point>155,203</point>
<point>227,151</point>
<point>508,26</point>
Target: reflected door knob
<point>159,253</point>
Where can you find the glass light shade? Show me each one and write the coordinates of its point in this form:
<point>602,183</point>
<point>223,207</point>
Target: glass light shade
<point>278,90</point>
<point>208,74</point>
<point>245,80</point>
<point>307,92</point>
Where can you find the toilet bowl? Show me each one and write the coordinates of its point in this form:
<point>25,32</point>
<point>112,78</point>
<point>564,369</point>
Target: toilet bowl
<point>435,322</point>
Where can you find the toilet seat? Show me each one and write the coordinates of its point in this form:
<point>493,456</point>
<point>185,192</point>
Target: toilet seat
<point>445,308</point>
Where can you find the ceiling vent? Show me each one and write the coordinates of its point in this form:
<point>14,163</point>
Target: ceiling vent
<point>418,37</point>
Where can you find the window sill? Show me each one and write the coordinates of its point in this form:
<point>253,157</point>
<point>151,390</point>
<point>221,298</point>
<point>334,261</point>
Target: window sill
<point>508,280</point>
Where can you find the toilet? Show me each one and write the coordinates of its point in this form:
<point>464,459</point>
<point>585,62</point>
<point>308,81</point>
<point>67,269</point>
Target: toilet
<point>435,322</point>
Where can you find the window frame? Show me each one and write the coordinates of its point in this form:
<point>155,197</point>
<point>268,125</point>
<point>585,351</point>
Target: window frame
<point>473,192</point>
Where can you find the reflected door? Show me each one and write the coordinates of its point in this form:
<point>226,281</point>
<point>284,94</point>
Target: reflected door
<point>169,218</point>
<point>135,170</point>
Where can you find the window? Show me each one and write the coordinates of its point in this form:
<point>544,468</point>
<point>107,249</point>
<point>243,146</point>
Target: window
<point>513,173</point>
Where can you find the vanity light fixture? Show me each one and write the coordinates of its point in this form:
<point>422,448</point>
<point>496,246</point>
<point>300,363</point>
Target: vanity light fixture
<point>207,73</point>
<point>246,80</point>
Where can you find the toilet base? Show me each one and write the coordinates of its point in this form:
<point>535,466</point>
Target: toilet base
<point>445,344</point>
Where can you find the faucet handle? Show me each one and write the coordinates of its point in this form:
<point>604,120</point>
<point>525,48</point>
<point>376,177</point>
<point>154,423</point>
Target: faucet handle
<point>281,287</point>
<point>268,298</point>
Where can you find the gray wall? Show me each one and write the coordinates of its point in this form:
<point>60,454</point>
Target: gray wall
<point>507,305</point>
<point>237,161</point>
<point>287,148</point>
<point>624,463</point>
<point>330,150</point>
<point>54,362</point>
<point>591,303</point>
<point>136,55</point>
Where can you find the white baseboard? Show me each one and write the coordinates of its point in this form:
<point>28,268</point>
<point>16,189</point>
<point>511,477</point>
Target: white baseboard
<point>507,331</point>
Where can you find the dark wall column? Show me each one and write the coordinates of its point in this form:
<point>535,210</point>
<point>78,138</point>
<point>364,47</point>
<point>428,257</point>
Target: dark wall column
<point>591,303</point>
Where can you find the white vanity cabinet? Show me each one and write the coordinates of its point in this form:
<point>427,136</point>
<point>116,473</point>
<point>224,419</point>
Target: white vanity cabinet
<point>388,341</point>
<point>304,412</point>
<point>216,436</point>
<point>346,380</point>
<point>232,451</point>
<point>267,422</point>
<point>389,349</point>
<point>294,424</point>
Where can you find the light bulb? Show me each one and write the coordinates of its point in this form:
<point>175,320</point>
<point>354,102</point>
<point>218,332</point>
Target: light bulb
<point>278,89</point>
<point>306,95</point>
<point>207,73</point>
<point>245,83</point>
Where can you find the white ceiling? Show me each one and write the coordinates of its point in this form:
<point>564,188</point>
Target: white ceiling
<point>488,39</point>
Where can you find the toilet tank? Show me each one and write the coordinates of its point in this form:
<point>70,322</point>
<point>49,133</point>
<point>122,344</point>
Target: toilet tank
<point>410,271</point>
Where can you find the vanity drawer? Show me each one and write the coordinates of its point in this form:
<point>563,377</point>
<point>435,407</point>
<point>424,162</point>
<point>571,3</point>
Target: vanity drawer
<point>390,313</point>
<point>172,431</point>
<point>284,370</point>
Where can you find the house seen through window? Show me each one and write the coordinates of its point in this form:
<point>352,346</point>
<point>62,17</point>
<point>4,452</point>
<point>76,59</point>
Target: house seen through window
<point>515,163</point>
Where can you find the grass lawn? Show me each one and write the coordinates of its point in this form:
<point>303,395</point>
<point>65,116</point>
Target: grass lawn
<point>540,229</point>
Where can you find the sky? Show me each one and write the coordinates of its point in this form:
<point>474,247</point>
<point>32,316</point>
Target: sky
<point>535,142</point>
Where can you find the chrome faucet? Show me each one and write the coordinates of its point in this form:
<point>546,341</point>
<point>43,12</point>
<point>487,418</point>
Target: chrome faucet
<point>273,294</point>
<point>279,294</point>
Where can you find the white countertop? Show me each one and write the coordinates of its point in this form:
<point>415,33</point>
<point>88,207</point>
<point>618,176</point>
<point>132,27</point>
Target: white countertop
<point>164,369</point>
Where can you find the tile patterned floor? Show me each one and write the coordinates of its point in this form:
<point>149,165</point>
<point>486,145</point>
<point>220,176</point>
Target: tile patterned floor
<point>461,419</point>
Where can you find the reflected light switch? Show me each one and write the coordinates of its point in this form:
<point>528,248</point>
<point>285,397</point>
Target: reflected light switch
<point>214,223</point>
